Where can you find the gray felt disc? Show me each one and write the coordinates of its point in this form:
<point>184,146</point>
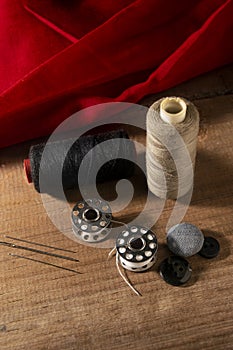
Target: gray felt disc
<point>185,239</point>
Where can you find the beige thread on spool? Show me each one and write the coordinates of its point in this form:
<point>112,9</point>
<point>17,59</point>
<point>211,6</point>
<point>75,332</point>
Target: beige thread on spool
<point>167,120</point>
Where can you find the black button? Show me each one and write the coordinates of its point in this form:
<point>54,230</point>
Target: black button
<point>175,270</point>
<point>210,248</point>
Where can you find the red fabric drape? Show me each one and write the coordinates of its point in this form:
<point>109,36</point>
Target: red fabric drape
<point>58,57</point>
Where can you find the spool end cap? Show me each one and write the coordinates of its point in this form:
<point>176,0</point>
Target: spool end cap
<point>27,169</point>
<point>173,110</point>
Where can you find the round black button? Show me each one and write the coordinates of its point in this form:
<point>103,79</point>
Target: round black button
<point>210,248</point>
<point>175,270</point>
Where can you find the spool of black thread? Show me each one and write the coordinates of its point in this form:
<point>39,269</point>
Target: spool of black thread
<point>114,169</point>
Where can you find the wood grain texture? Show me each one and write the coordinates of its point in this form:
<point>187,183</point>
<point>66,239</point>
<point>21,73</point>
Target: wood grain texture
<point>42,307</point>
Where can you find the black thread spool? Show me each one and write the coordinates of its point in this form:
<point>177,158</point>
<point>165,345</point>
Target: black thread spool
<point>114,169</point>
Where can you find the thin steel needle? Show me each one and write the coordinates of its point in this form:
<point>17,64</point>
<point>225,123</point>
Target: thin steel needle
<point>45,263</point>
<point>39,244</point>
<point>12,245</point>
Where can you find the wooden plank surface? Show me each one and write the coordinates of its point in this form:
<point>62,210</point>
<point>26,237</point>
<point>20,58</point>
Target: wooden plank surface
<point>45,308</point>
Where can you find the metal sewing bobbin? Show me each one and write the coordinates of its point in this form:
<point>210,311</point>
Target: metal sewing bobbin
<point>137,248</point>
<point>91,220</point>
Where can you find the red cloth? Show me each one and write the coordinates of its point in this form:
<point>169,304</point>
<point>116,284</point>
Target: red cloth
<point>59,56</point>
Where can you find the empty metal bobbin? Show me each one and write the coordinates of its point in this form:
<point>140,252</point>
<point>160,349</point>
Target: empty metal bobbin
<point>137,248</point>
<point>91,220</point>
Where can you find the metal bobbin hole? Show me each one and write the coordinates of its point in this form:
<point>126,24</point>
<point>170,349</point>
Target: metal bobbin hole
<point>137,244</point>
<point>91,215</point>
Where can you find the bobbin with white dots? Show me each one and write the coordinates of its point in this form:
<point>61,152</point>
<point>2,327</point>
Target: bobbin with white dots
<point>137,248</point>
<point>91,220</point>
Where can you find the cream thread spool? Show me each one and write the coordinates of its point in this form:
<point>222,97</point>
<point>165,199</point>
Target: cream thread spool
<point>168,118</point>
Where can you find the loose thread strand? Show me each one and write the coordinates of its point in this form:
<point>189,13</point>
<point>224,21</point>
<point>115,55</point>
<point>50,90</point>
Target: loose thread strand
<point>111,253</point>
<point>126,280</point>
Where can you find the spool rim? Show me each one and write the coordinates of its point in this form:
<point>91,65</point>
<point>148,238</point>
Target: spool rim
<point>173,110</point>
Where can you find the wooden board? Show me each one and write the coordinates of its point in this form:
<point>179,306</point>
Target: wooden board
<point>42,307</point>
